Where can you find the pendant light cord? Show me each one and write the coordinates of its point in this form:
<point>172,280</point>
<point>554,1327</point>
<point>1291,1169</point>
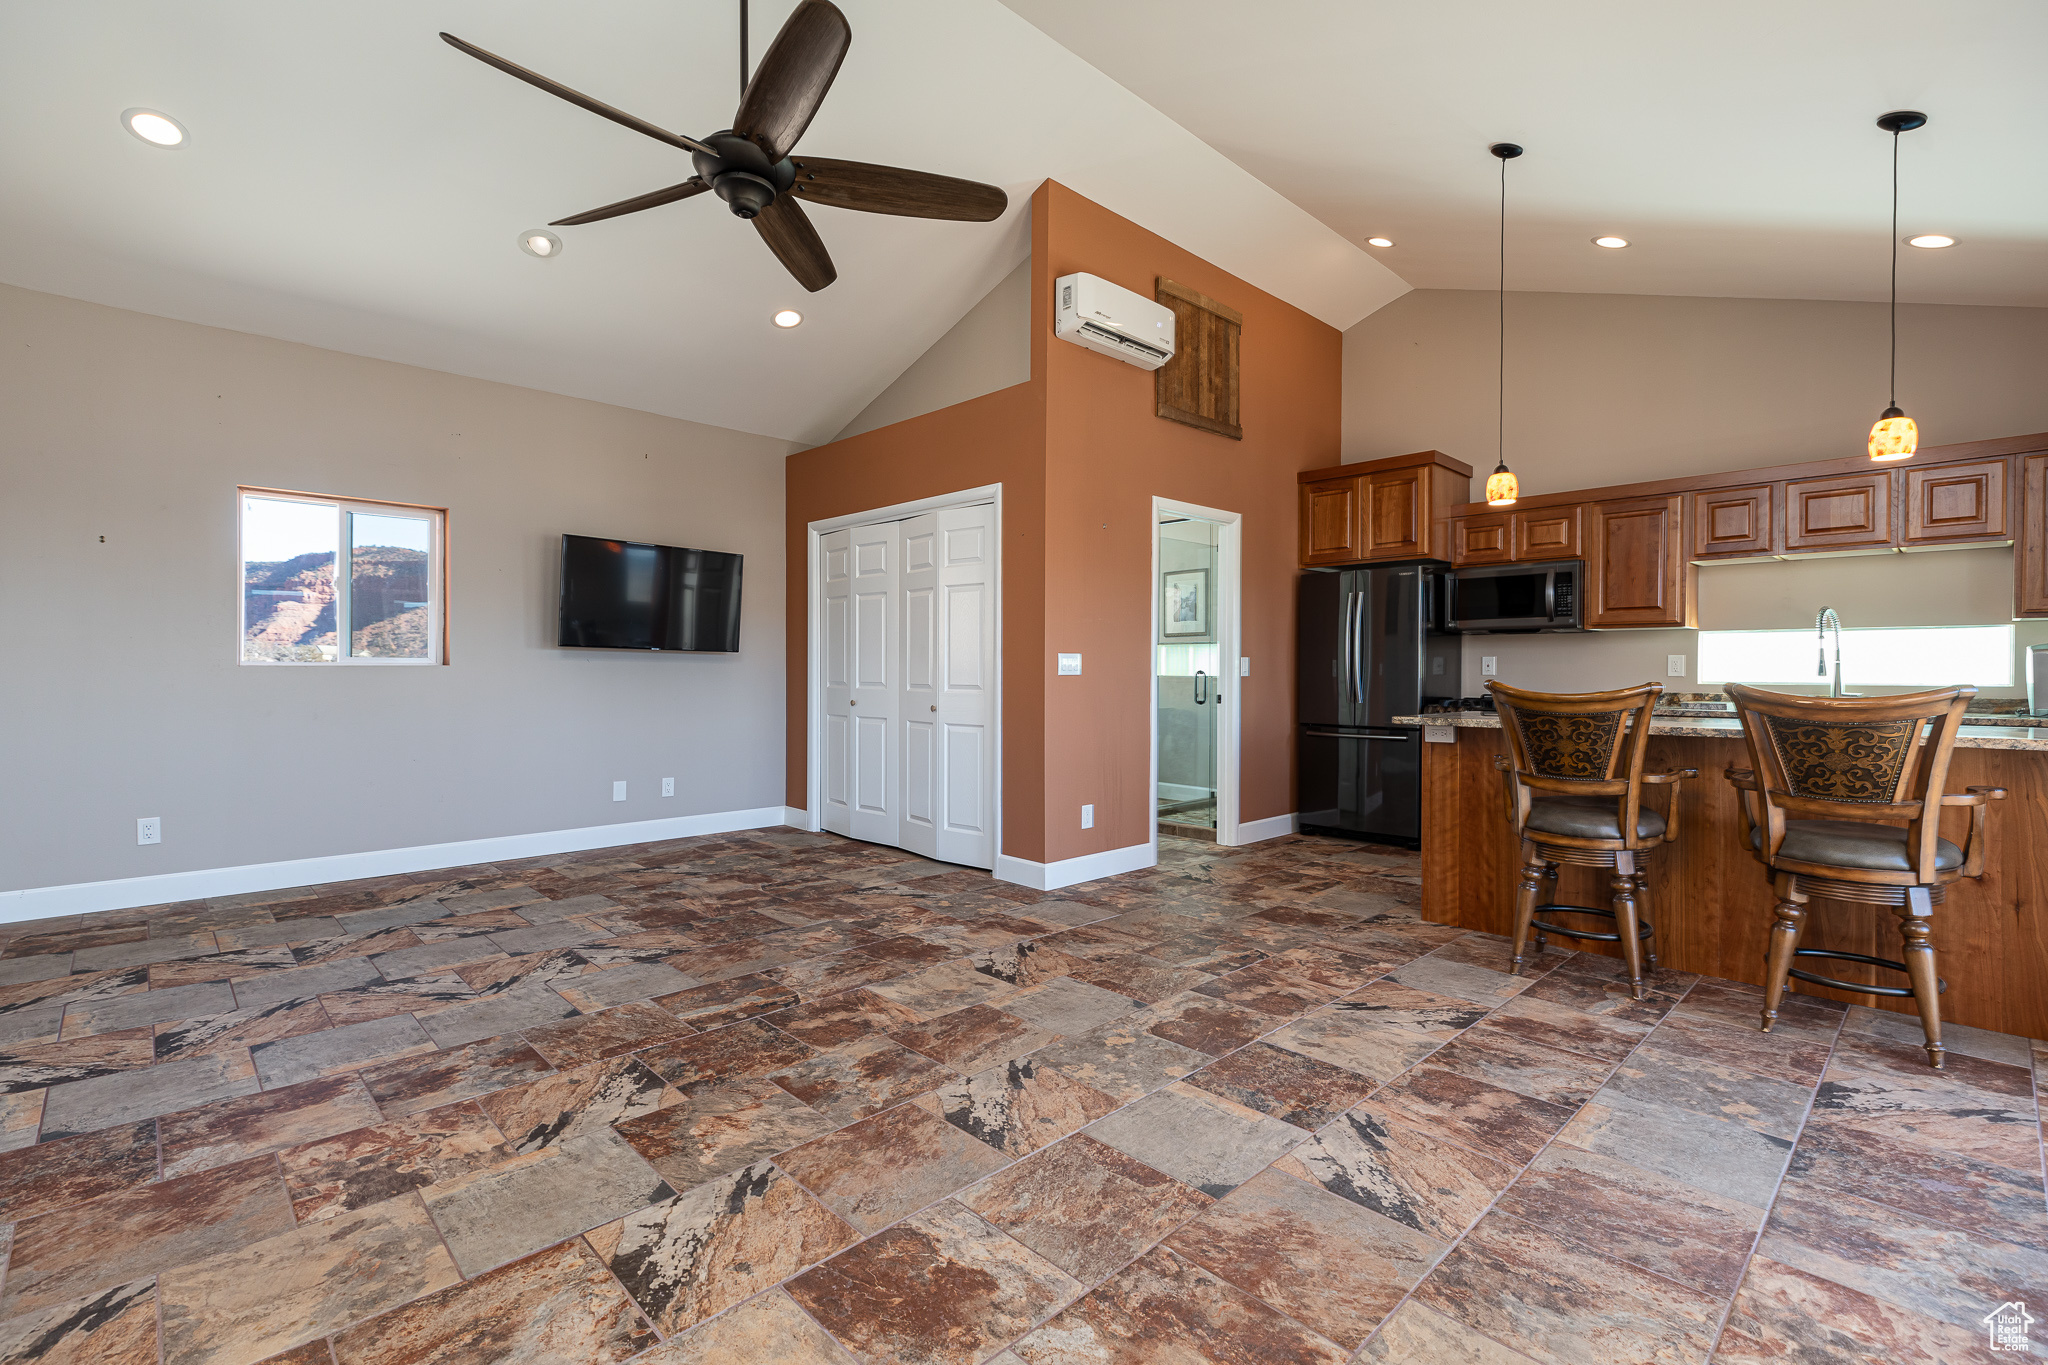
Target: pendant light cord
<point>1500,396</point>
<point>1895,270</point>
<point>743,49</point>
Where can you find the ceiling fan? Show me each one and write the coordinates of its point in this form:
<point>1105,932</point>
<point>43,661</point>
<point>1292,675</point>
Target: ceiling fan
<point>749,165</point>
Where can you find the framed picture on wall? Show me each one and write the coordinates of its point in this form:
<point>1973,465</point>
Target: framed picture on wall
<point>1184,616</point>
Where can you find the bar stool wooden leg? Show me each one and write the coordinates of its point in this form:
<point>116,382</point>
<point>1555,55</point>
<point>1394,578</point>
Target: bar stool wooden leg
<point>1625,920</point>
<point>1791,912</point>
<point>1546,895</point>
<point>1643,909</point>
<point>1525,902</point>
<point>1914,926</point>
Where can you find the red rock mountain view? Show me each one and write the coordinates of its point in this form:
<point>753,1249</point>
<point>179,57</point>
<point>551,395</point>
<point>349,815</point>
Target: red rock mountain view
<point>288,606</point>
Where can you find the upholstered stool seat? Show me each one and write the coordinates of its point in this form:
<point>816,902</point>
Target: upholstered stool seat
<point>1844,843</point>
<point>1575,787</point>
<point>1588,817</point>
<point>1843,800</point>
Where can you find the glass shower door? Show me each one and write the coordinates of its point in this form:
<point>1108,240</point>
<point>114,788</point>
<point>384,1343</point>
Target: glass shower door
<point>1190,695</point>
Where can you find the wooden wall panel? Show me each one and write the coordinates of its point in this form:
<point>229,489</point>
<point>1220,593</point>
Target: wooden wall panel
<point>1712,899</point>
<point>1199,386</point>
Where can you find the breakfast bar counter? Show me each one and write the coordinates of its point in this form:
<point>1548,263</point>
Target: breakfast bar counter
<point>1710,898</point>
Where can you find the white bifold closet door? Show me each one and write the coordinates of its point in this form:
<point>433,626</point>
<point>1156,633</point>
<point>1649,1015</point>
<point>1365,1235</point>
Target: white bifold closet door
<point>909,674</point>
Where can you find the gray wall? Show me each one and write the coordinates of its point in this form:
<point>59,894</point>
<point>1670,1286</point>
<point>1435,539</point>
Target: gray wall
<point>123,695</point>
<point>1612,388</point>
<point>1617,388</point>
<point>988,349</point>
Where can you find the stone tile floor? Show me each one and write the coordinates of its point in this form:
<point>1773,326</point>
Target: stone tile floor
<point>781,1097</point>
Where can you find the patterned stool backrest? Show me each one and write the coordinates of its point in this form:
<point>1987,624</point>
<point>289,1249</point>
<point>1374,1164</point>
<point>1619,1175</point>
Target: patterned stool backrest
<point>1578,743</point>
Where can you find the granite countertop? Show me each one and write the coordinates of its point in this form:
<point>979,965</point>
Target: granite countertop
<point>1973,736</point>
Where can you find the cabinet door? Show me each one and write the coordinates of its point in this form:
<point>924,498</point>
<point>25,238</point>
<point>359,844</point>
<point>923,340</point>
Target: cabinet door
<point>1734,521</point>
<point>1638,565</point>
<point>1330,520</point>
<point>2030,555</point>
<point>1956,502</point>
<point>1484,539</point>
<point>1547,533</point>
<point>1396,515</point>
<point>1848,512</point>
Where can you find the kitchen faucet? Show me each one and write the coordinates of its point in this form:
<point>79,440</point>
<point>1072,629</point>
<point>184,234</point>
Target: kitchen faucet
<point>1826,618</point>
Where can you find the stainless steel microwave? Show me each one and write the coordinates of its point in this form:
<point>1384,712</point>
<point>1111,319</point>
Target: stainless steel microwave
<point>1500,599</point>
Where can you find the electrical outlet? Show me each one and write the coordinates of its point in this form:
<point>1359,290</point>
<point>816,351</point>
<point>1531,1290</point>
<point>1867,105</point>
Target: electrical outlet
<point>1436,667</point>
<point>1674,664</point>
<point>1070,665</point>
<point>149,829</point>
<point>668,786</point>
<point>1487,667</point>
<point>1244,668</point>
<point>1087,817</point>
<point>618,791</point>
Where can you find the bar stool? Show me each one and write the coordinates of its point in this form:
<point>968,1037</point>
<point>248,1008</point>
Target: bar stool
<point>1837,804</point>
<point>1575,785</point>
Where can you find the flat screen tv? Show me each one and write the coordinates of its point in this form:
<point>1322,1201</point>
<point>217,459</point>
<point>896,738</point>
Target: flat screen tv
<point>620,594</point>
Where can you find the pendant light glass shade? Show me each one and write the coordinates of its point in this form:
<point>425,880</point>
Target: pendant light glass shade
<point>1502,488</point>
<point>1895,437</point>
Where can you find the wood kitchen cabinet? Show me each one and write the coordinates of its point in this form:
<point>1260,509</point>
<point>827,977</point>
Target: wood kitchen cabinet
<point>1735,522</point>
<point>1547,533</point>
<point>1397,508</point>
<point>1484,539</point>
<point>1955,502</point>
<point>1846,512</point>
<point>2030,549</point>
<point>1638,571</point>
<point>1330,521</point>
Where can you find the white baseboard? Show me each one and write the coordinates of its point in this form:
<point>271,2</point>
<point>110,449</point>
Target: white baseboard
<point>797,816</point>
<point>42,902</point>
<point>1272,827</point>
<point>1068,871</point>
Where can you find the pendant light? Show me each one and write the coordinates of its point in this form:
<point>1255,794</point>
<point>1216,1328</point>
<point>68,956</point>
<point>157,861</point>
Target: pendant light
<point>1896,437</point>
<point>1502,488</point>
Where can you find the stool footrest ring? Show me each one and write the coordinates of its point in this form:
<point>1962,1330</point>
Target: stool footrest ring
<point>1856,987</point>
<point>1644,929</point>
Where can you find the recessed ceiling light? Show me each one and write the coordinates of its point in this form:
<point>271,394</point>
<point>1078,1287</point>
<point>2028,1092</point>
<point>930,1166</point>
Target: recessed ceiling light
<point>540,242</point>
<point>1379,241</point>
<point>788,317</point>
<point>1930,240</point>
<point>158,130</point>
<point>1612,243</point>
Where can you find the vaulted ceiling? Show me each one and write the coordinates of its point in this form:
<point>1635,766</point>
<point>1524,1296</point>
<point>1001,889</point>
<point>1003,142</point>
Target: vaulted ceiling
<point>351,182</point>
<point>1733,144</point>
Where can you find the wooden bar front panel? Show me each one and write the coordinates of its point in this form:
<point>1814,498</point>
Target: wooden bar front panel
<point>1711,900</point>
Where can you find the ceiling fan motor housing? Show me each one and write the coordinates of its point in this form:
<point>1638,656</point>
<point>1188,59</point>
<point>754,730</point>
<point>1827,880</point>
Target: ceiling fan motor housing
<point>741,173</point>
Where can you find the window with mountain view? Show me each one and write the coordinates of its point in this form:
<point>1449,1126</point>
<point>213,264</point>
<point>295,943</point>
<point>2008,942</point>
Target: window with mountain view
<point>339,581</point>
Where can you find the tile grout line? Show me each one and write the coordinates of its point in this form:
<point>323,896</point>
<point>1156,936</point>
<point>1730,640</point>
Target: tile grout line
<point>1728,1312</point>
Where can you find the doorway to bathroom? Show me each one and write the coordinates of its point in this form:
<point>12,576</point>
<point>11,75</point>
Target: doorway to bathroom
<point>1195,671</point>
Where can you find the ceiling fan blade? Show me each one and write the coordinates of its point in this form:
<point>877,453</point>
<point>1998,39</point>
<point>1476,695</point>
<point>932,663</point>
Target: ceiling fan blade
<point>650,200</point>
<point>787,230</point>
<point>575,97</point>
<point>890,189</point>
<point>791,81</point>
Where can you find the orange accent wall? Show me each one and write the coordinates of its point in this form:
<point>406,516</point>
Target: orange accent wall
<point>1081,453</point>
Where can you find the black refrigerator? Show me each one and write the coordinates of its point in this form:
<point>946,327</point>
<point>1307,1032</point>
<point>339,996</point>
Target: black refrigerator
<point>1373,646</point>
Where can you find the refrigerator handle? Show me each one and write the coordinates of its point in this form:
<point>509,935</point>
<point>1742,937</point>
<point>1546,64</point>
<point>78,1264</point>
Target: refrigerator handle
<point>1358,606</point>
<point>1344,648</point>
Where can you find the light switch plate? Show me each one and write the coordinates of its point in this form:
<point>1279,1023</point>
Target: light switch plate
<point>1244,667</point>
<point>1070,665</point>
<point>1088,817</point>
<point>618,791</point>
<point>1674,664</point>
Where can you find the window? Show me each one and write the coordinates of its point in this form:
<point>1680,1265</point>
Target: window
<point>334,581</point>
<point>1905,656</point>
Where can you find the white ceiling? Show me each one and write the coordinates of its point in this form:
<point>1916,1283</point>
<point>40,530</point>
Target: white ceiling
<point>1733,143</point>
<point>351,182</point>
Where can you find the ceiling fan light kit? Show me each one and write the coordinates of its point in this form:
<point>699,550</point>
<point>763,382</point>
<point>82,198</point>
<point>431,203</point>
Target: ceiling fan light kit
<point>1896,436</point>
<point>749,166</point>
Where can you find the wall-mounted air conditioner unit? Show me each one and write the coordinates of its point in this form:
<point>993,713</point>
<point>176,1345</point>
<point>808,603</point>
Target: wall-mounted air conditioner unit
<point>1092,312</point>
